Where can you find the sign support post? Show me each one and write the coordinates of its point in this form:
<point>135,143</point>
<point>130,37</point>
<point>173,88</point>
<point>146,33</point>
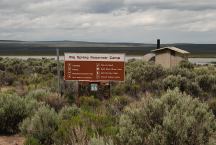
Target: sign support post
<point>58,72</point>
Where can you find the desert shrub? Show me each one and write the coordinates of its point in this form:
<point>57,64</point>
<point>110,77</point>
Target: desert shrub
<point>140,75</point>
<point>2,67</point>
<point>186,64</point>
<point>18,68</point>
<point>38,69</point>
<point>172,82</point>
<point>70,91</point>
<point>89,102</point>
<point>14,66</point>
<point>183,72</point>
<point>118,89</point>
<point>38,94</point>
<point>74,135</point>
<point>206,82</point>
<point>203,70</point>
<point>102,124</point>
<point>133,89</point>
<point>71,132</point>
<point>68,112</point>
<point>214,90</point>
<point>193,89</point>
<point>175,118</point>
<point>7,78</point>
<point>36,79</point>
<point>13,110</point>
<point>32,106</point>
<point>100,141</point>
<point>54,100</point>
<point>32,141</point>
<point>41,125</point>
<point>141,70</point>
<point>79,129</point>
<point>212,105</point>
<point>185,85</point>
<point>116,104</point>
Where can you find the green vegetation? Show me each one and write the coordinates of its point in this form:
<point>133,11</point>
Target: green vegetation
<point>175,118</point>
<point>13,109</point>
<point>41,125</point>
<point>154,106</point>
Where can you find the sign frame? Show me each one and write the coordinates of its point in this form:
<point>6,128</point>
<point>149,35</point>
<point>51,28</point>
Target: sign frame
<point>124,69</point>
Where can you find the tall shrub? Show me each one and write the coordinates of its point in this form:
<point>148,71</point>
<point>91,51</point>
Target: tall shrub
<point>41,125</point>
<point>173,119</point>
<point>13,110</point>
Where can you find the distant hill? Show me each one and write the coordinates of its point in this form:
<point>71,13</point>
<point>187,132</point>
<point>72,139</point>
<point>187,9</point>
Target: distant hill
<point>13,47</point>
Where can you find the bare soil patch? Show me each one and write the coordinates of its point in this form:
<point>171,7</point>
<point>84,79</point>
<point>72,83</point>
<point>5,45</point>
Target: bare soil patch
<point>12,140</point>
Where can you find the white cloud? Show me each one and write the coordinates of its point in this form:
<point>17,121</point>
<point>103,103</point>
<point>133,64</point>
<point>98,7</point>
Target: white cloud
<point>51,19</point>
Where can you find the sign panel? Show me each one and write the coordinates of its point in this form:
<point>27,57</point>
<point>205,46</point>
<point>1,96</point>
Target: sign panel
<point>94,67</point>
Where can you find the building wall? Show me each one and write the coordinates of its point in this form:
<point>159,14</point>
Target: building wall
<point>163,58</point>
<point>176,59</point>
<point>168,58</point>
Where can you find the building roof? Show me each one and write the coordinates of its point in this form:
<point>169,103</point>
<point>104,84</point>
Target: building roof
<point>148,56</point>
<point>172,48</point>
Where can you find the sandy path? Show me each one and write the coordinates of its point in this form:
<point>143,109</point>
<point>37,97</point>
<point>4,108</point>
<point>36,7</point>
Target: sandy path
<point>11,140</point>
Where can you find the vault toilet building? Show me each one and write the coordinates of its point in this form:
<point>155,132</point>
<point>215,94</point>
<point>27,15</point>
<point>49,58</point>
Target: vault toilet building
<point>169,56</point>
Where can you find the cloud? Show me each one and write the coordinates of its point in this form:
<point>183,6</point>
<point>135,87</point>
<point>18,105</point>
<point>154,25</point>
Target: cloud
<point>172,4</point>
<point>77,19</point>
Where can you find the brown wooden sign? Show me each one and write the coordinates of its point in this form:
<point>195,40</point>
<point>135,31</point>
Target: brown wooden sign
<point>94,67</point>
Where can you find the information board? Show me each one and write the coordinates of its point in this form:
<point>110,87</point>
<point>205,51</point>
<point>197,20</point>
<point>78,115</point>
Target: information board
<point>94,67</point>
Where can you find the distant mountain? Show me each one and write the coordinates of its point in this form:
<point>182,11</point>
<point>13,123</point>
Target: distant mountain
<point>69,43</point>
<point>14,47</point>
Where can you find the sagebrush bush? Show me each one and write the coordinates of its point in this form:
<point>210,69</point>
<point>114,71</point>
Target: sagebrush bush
<point>70,91</point>
<point>100,141</point>
<point>79,128</point>
<point>89,102</point>
<point>55,101</point>
<point>183,72</point>
<point>52,99</point>
<point>207,83</point>
<point>102,124</point>
<point>31,141</point>
<point>186,64</point>
<point>41,125</point>
<point>68,112</point>
<point>175,118</point>
<point>7,78</point>
<point>13,110</point>
<point>38,94</point>
<point>212,105</point>
<point>116,104</point>
<point>118,89</point>
<point>185,85</point>
<point>140,75</point>
<point>71,132</point>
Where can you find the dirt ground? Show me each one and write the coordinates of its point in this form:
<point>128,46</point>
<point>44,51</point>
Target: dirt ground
<point>11,140</point>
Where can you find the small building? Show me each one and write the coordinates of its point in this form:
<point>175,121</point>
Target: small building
<point>170,56</point>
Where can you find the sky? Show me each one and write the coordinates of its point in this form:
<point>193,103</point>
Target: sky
<point>173,21</point>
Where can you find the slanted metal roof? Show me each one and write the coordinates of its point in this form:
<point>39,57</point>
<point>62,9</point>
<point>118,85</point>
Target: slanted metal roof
<point>172,48</point>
